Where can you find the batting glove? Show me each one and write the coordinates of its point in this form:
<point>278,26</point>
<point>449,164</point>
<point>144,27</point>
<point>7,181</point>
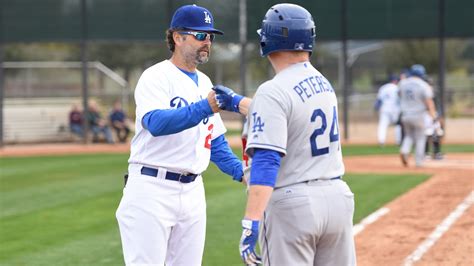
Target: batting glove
<point>248,242</point>
<point>227,99</point>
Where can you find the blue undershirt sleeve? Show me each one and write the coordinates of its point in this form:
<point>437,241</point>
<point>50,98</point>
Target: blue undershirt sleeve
<point>225,159</point>
<point>265,165</point>
<point>377,104</point>
<point>170,121</point>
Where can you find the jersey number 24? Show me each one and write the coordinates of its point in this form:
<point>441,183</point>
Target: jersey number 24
<point>333,134</point>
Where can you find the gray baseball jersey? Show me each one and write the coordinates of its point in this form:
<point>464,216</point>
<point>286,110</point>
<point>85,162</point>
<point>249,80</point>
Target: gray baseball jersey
<point>305,223</point>
<point>413,93</point>
<point>296,113</point>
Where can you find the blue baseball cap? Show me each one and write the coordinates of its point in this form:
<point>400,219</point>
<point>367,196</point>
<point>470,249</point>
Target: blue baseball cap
<point>193,17</point>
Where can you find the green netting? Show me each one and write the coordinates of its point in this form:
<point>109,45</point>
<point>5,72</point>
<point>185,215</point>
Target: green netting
<point>131,20</point>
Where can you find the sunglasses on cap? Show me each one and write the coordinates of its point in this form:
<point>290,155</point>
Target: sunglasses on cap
<point>200,36</point>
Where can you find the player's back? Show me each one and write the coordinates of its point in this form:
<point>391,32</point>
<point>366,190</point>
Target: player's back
<point>413,93</point>
<point>295,113</point>
<point>388,94</point>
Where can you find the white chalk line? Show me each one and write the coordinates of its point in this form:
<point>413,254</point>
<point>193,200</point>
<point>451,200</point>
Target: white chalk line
<point>369,220</point>
<point>440,230</point>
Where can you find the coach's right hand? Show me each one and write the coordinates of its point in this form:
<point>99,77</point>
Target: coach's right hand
<point>248,242</point>
<point>227,99</point>
<point>211,99</point>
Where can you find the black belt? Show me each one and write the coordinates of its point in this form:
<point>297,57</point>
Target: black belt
<point>169,175</point>
<point>333,178</point>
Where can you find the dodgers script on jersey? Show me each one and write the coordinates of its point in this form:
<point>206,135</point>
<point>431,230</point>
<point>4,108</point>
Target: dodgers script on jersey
<point>296,113</point>
<point>164,86</point>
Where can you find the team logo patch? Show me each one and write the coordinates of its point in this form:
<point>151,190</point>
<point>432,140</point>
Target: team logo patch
<point>207,18</point>
<point>258,124</point>
<point>299,46</point>
<point>178,102</point>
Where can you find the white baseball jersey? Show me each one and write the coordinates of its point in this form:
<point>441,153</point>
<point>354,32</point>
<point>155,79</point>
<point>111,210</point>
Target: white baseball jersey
<point>164,86</point>
<point>296,113</point>
<point>413,93</point>
<point>388,94</point>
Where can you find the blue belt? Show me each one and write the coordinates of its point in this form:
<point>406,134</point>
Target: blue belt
<point>169,175</point>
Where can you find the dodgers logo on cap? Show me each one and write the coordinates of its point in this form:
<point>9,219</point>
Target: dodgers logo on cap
<point>193,17</point>
<point>207,18</point>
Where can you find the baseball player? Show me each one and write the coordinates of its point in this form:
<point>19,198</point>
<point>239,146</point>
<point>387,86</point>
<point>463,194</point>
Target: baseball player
<point>433,129</point>
<point>434,132</point>
<point>388,105</point>
<point>162,214</point>
<point>416,101</point>
<point>297,199</point>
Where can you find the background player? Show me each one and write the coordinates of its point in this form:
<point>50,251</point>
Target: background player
<point>388,105</point>
<point>416,101</point>
<point>433,129</point>
<point>296,189</point>
<point>162,214</point>
<point>434,133</point>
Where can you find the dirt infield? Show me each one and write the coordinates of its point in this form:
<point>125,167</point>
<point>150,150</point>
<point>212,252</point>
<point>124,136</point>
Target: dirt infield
<point>411,218</point>
<point>458,131</point>
<point>415,215</point>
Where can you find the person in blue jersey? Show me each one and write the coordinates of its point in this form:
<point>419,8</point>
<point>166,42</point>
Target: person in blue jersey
<point>162,214</point>
<point>119,122</point>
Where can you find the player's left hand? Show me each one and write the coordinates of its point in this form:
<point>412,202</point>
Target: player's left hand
<point>227,99</point>
<point>248,242</point>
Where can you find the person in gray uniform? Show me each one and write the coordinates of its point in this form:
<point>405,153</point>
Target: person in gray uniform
<point>416,101</point>
<point>298,204</point>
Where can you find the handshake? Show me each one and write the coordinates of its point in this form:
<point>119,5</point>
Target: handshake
<point>226,99</point>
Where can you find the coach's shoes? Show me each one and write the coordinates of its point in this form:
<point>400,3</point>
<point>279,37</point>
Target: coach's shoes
<point>404,158</point>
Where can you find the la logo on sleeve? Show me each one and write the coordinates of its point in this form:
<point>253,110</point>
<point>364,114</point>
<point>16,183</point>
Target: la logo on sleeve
<point>257,123</point>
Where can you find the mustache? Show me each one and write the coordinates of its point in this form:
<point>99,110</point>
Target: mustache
<point>204,49</point>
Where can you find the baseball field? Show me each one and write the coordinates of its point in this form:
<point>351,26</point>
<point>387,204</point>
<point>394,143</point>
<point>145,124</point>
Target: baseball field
<point>60,210</point>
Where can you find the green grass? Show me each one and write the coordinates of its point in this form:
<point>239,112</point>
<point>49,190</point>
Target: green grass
<point>350,150</point>
<point>61,210</point>
<point>372,191</point>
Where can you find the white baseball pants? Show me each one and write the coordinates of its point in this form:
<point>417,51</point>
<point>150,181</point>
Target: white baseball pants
<point>162,221</point>
<point>385,120</point>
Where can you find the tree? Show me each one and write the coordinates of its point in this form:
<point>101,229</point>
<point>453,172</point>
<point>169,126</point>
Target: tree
<point>128,56</point>
<point>403,54</point>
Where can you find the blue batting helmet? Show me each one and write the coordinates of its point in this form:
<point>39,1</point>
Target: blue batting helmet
<point>287,27</point>
<point>418,70</point>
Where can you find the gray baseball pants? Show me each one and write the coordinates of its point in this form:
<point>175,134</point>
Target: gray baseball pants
<point>309,223</point>
<point>414,126</point>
